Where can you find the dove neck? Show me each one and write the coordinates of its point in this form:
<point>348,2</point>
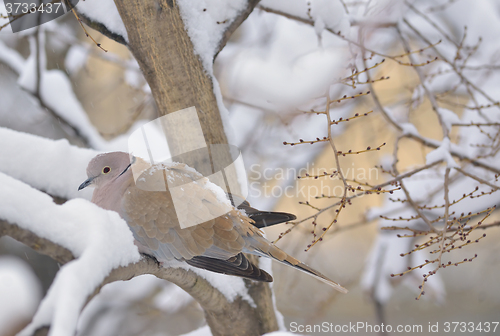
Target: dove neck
<point>109,195</point>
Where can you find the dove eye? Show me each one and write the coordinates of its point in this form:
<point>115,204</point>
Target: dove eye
<point>106,170</point>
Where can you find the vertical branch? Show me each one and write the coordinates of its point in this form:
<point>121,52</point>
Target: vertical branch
<point>446,214</point>
<point>410,200</point>
<point>428,93</point>
<point>339,172</point>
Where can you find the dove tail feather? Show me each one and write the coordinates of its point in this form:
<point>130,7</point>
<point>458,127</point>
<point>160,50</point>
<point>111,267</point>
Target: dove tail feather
<point>277,254</point>
<point>268,218</point>
<point>238,265</point>
<point>306,269</point>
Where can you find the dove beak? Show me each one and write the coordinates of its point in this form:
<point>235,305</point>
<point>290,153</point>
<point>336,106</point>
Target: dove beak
<point>86,183</point>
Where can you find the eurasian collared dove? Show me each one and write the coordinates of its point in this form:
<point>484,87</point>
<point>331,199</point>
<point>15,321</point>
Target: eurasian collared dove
<point>216,244</point>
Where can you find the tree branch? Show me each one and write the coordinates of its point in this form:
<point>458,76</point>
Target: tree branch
<point>222,316</point>
<point>225,37</point>
<point>101,28</point>
<point>41,245</point>
<point>235,24</point>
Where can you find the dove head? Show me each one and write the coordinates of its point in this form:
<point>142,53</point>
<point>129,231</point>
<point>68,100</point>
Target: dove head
<point>106,168</point>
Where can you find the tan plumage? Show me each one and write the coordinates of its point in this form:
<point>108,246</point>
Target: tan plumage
<point>217,243</point>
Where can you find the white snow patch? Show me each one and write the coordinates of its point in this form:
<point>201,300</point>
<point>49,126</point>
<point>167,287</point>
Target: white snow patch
<point>278,84</point>
<point>20,293</point>
<point>442,153</point>
<point>203,331</point>
<point>113,299</point>
<point>75,58</point>
<point>448,117</point>
<point>99,239</point>
<point>329,14</point>
<point>409,129</point>
<point>417,96</point>
<point>230,286</point>
<point>54,166</point>
<point>57,93</point>
<point>219,193</point>
<point>11,57</point>
<point>105,12</point>
<point>133,77</point>
<point>172,299</point>
<point>205,22</point>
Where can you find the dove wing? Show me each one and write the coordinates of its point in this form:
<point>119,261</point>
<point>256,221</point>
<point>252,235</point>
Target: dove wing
<point>153,218</point>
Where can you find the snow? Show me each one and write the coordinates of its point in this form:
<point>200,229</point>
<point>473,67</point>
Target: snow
<point>417,96</point>
<point>205,22</point>
<point>319,26</point>
<point>329,14</point>
<point>99,239</point>
<point>382,10</point>
<point>409,129</point>
<point>57,93</point>
<point>270,83</point>
<point>172,299</point>
<point>75,58</point>
<point>230,286</point>
<point>442,153</point>
<point>116,297</point>
<point>273,64</point>
<point>272,74</point>
<point>203,331</point>
<point>449,118</point>
<point>287,73</point>
<point>33,119</point>
<point>11,57</point>
<point>133,75</point>
<point>20,293</point>
<point>219,193</point>
<point>293,7</point>
<point>54,85</point>
<point>105,12</point>
<point>50,165</point>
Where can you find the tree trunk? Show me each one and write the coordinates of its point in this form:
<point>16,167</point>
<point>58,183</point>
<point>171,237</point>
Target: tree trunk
<point>165,53</point>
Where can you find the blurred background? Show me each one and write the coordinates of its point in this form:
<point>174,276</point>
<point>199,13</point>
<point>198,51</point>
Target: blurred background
<point>284,60</point>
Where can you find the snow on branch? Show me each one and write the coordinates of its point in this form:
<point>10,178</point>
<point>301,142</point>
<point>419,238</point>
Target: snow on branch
<point>99,239</point>
<point>55,167</point>
<point>103,16</point>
